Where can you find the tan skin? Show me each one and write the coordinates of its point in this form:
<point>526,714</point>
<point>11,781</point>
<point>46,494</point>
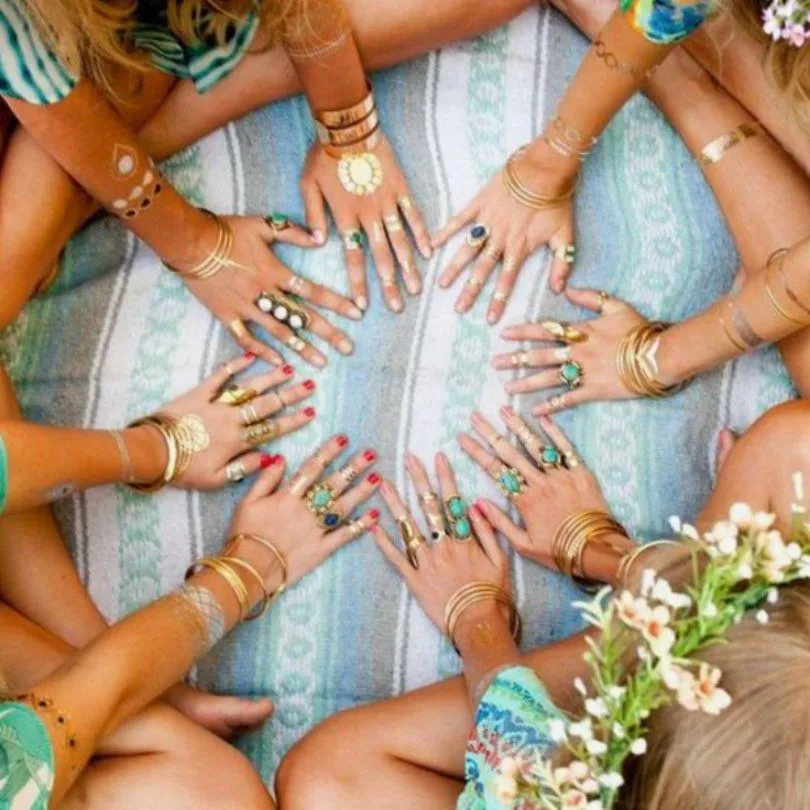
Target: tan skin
<point>132,756</point>
<point>409,751</point>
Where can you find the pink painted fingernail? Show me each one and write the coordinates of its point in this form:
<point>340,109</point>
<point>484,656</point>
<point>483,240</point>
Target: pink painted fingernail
<point>374,514</point>
<point>309,412</point>
<point>249,356</point>
<point>373,479</point>
<point>342,441</point>
<point>288,370</point>
<point>277,460</point>
<point>370,455</point>
<point>476,512</point>
<point>309,385</point>
<point>265,461</point>
<point>480,506</point>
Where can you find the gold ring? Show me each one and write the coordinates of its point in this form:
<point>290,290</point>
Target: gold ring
<point>392,223</point>
<point>405,203</point>
<point>230,369</point>
<point>474,284</point>
<point>491,252</point>
<point>521,359</point>
<point>356,528</point>
<point>603,297</point>
<point>277,223</point>
<point>412,540</point>
<point>557,403</point>
<point>565,253</point>
<point>235,472</point>
<point>347,474</point>
<point>509,264</point>
<point>249,415</point>
<point>500,297</point>
<point>238,329</point>
<point>234,395</point>
<point>297,285</point>
<point>295,343</point>
<point>571,460</point>
<point>260,433</point>
<point>428,497</point>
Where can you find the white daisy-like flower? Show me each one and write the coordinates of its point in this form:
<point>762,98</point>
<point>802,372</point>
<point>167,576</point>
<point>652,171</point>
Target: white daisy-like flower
<point>797,35</point>
<point>617,692</point>
<point>618,731</point>
<point>648,578</point>
<point>803,568</point>
<point>612,780</point>
<point>741,514</point>
<point>662,591</point>
<point>773,596</point>
<point>579,685</point>
<point>638,747</point>
<point>596,804</point>
<point>723,529</point>
<point>762,616</point>
<point>745,571</point>
<point>643,654</point>
<point>596,707</point>
<point>632,610</point>
<point>711,698</point>
<point>556,730</point>
<point>710,610</point>
<point>689,531</point>
<point>675,524</point>
<point>579,771</point>
<point>590,786</point>
<point>764,520</point>
<point>596,747</point>
<point>794,552</point>
<point>727,545</point>
<point>574,799</point>
<point>582,729</point>
<point>656,630</point>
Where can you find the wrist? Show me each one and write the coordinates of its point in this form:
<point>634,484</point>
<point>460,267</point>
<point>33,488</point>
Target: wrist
<point>601,561</point>
<point>264,561</point>
<point>482,627</point>
<point>147,452</point>
<point>672,363</point>
<point>547,169</point>
<point>199,233</point>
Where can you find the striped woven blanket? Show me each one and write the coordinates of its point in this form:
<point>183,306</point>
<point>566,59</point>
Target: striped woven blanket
<point>117,336</point>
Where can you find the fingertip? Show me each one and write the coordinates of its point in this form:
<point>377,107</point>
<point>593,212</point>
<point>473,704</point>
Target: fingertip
<point>317,237</point>
<point>426,250</point>
<point>362,304</point>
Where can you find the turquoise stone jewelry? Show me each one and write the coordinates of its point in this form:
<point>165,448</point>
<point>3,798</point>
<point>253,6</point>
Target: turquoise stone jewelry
<point>571,374</point>
<point>511,482</point>
<point>277,222</point>
<point>320,499</point>
<point>354,240</point>
<point>550,458</point>
<point>478,235</point>
<point>460,525</point>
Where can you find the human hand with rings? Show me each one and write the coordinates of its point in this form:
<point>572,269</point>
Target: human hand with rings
<point>311,515</point>
<point>217,426</point>
<point>507,226</point>
<point>547,483</point>
<point>371,204</point>
<point>460,552</point>
<point>594,360</point>
<point>241,281</point>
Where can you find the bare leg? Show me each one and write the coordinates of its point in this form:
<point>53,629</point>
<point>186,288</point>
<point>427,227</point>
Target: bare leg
<point>158,759</point>
<point>408,752</point>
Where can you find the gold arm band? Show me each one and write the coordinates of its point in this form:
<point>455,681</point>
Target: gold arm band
<point>218,259</point>
<point>245,566</point>
<point>348,135</point>
<point>777,258</point>
<point>714,151</point>
<point>730,335</point>
<point>632,557</point>
<point>339,119</point>
<point>367,144</point>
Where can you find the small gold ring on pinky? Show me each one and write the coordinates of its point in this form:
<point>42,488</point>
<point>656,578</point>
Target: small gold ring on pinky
<point>249,415</point>
<point>521,360</point>
<point>237,328</point>
<point>235,472</point>
<point>602,299</point>
<point>565,253</point>
<point>500,297</point>
<point>571,460</point>
<point>297,285</point>
<point>356,528</point>
<point>296,344</point>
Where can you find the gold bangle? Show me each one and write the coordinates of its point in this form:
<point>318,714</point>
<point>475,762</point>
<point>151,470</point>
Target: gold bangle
<point>127,474</point>
<point>730,335</point>
<point>246,566</point>
<point>220,256</point>
<point>632,557</point>
<point>348,135</point>
<point>367,144</point>
<point>338,119</point>
<point>160,423</point>
<point>635,366</point>
<point>778,258</point>
<point>473,593</point>
<point>523,194</point>
<point>231,578</point>
<point>716,149</point>
<point>274,551</point>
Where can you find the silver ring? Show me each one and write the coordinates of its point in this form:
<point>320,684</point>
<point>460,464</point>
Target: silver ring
<point>347,474</point>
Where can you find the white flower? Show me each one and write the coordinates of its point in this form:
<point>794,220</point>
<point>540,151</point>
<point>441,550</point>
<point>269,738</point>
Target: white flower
<point>721,530</point>
<point>656,630</point>
<point>797,35</point>
<point>578,771</point>
<point>583,729</point>
<point>643,655</point>
<point>727,545</point>
<point>794,551</point>
<point>762,616</point>
<point>618,731</point>
<point>803,569</point>
<point>689,531</point>
<point>596,707</point>
<point>596,804</point>
<point>631,610</point>
<point>579,685</point>
<point>664,593</point>
<point>556,729</point>
<point>648,578</point>
<point>617,692</point>
<point>711,698</point>
<point>612,780</point>
<point>741,514</point>
<point>773,596</point>
<point>764,520</point>
<point>682,682</point>
<point>596,747</point>
<point>590,786</point>
<point>675,523</point>
<point>644,714</point>
<point>574,799</point>
<point>745,571</point>
<point>638,747</point>
<point>710,611</point>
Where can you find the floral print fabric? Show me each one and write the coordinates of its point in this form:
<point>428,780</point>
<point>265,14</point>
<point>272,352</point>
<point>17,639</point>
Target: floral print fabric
<point>26,759</point>
<point>666,21</point>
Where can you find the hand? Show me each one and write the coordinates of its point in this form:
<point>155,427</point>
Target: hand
<point>279,512</point>
<point>595,354</point>
<point>449,563</point>
<point>515,232</point>
<point>556,483</point>
<point>232,293</point>
<point>377,214</point>
<point>228,451</point>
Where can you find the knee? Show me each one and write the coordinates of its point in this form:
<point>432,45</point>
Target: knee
<point>785,429</point>
<point>227,780</point>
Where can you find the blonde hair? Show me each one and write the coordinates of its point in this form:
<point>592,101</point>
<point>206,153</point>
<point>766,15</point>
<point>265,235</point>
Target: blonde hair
<point>94,37</point>
<point>756,754</point>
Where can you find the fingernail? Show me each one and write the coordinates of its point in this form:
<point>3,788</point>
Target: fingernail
<point>374,514</point>
<point>362,302</point>
<point>319,361</point>
<point>492,317</point>
<point>545,420</point>
<point>369,455</point>
<point>309,385</point>
<point>342,441</point>
<point>426,251</point>
<point>480,506</point>
<point>508,410</point>
<point>397,305</point>
<point>277,460</point>
<point>375,530</point>
<point>265,461</point>
<point>373,479</point>
<point>346,347</point>
<point>356,314</point>
<point>249,356</point>
<point>288,370</point>
<point>476,512</point>
<point>317,237</point>
<point>309,412</point>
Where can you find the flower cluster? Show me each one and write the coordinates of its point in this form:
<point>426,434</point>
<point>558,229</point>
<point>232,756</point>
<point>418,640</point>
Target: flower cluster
<point>737,566</point>
<point>788,20</point>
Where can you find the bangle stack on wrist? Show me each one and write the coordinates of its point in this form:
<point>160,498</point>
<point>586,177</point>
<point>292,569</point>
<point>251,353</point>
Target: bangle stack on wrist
<point>632,557</point>
<point>218,259</point>
<point>526,196</point>
<point>635,362</point>
<point>351,130</point>
<point>474,593</point>
<point>574,534</point>
<point>229,568</point>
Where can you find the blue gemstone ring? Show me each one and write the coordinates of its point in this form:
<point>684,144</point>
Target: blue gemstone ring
<point>331,519</point>
<point>478,235</point>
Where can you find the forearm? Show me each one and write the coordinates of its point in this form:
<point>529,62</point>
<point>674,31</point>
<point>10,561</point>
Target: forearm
<point>37,475</point>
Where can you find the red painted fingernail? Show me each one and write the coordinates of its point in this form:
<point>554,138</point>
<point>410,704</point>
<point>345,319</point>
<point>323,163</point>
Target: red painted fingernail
<point>249,356</point>
<point>265,462</point>
<point>374,514</point>
<point>374,479</point>
<point>309,412</point>
<point>276,460</point>
<point>480,506</point>
<point>309,385</point>
<point>288,370</point>
<point>342,441</point>
<point>476,512</point>
<point>369,455</point>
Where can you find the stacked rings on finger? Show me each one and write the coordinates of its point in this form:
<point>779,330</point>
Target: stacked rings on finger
<point>321,502</point>
<point>521,359</point>
<point>347,474</point>
<point>283,309</point>
<point>510,481</point>
<point>564,332</point>
<point>392,223</point>
<point>478,235</point>
<point>235,472</point>
<point>602,298</point>
<point>249,414</point>
<point>405,203</point>
<point>260,433</point>
<point>571,460</point>
<point>460,525</point>
<point>412,540</point>
<point>235,395</point>
<point>356,528</point>
<point>277,222</point>
<point>238,329</point>
<point>565,253</point>
<point>295,343</point>
<point>571,374</point>
<point>353,240</point>
<point>438,530</point>
<point>491,252</point>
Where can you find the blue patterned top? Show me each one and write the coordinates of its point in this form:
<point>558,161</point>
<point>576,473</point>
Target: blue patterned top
<point>29,71</point>
<point>26,759</point>
<point>667,21</point>
<point>512,721</point>
<point>3,475</point>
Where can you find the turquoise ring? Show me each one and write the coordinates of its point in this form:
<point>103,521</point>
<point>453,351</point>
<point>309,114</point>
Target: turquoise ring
<point>511,482</point>
<point>320,499</point>
<point>550,458</point>
<point>353,240</point>
<point>460,526</point>
<point>571,374</point>
<point>277,222</point>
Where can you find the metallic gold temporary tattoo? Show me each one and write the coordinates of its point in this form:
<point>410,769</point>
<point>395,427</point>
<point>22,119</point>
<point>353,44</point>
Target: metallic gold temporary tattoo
<point>125,162</point>
<point>211,624</point>
<point>141,197</point>
<point>742,326</point>
<point>360,174</point>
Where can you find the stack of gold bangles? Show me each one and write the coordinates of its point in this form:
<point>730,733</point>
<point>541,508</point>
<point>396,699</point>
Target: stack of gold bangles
<point>523,194</point>
<point>574,534</point>
<point>635,362</point>
<point>472,594</point>
<point>229,568</point>
<point>353,129</point>
<point>183,437</point>
<point>218,259</point>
